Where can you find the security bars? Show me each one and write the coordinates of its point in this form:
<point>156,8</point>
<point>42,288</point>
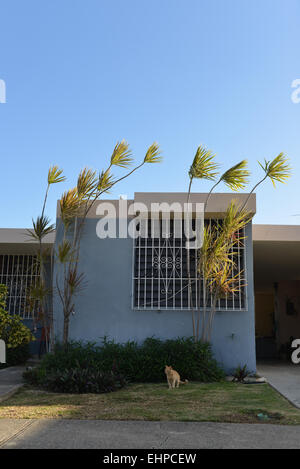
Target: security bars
<point>18,273</point>
<point>160,276</point>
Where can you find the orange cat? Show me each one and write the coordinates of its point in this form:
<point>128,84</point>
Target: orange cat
<point>173,377</point>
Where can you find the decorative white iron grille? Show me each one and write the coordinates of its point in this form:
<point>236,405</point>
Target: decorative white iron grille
<point>160,275</point>
<point>18,273</point>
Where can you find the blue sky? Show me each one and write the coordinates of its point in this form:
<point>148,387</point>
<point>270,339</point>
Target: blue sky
<point>81,75</point>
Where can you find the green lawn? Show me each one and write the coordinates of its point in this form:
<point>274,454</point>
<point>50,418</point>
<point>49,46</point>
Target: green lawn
<point>214,402</point>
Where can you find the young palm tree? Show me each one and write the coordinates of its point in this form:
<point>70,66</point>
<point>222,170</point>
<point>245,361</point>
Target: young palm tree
<point>235,178</point>
<point>217,262</point>
<point>75,205</point>
<point>40,292</point>
<point>278,170</point>
<point>203,167</point>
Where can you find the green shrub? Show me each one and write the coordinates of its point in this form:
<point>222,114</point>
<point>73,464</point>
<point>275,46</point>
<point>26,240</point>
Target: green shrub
<point>76,380</point>
<point>35,376</point>
<point>18,355</point>
<point>12,329</point>
<point>14,333</point>
<point>84,380</point>
<point>138,363</point>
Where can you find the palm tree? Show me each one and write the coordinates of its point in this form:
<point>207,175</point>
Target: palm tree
<point>40,292</point>
<point>215,252</point>
<point>216,263</point>
<point>203,167</point>
<point>75,205</point>
<point>278,170</point>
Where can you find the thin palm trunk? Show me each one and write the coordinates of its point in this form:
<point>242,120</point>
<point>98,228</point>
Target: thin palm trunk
<point>188,265</point>
<point>251,192</point>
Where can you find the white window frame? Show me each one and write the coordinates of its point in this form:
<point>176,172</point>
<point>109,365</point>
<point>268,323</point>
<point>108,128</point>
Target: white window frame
<point>241,250</point>
<point>18,274</point>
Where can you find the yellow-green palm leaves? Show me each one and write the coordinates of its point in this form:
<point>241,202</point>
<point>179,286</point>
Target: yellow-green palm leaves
<point>55,175</point>
<point>217,264</point>
<point>86,182</point>
<point>153,154</point>
<point>237,176</point>
<point>203,166</point>
<point>70,205</point>
<point>121,155</point>
<point>105,181</point>
<point>278,170</point>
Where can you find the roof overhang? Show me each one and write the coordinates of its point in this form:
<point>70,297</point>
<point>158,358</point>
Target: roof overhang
<point>18,241</point>
<point>216,207</point>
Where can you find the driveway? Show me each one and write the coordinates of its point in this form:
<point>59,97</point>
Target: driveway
<point>97,434</point>
<point>10,381</point>
<point>284,377</point>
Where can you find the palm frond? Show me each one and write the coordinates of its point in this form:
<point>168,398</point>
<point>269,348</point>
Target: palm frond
<point>234,220</point>
<point>70,205</point>
<point>86,182</point>
<point>121,155</point>
<point>237,177</point>
<point>278,170</point>
<point>38,291</point>
<point>203,166</point>
<point>41,228</point>
<point>65,252</point>
<point>55,175</point>
<point>153,155</point>
<point>75,280</point>
<point>105,182</point>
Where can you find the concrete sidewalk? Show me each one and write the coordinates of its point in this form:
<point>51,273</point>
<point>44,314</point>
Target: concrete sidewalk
<point>10,381</point>
<point>284,377</point>
<point>99,434</point>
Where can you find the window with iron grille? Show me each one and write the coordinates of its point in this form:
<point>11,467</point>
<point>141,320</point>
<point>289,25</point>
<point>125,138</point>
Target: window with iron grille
<point>160,275</point>
<point>18,273</point>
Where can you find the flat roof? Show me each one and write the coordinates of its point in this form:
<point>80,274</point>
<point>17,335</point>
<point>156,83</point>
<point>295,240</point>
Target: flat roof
<point>18,241</point>
<point>216,206</point>
<point>260,233</point>
<point>276,233</point>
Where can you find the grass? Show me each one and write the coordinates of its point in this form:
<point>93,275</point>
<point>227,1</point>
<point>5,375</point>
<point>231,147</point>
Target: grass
<point>212,402</point>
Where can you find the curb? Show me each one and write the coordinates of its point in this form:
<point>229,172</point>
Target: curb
<point>11,392</point>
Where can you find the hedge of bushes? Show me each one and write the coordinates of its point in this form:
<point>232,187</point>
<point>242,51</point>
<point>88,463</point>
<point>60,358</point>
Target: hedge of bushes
<point>17,355</point>
<point>132,362</point>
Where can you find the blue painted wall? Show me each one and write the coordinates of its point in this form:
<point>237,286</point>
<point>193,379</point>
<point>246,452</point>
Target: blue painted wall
<point>105,306</point>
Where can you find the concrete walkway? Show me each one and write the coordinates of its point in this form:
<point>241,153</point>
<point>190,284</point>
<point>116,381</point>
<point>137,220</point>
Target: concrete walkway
<point>97,434</point>
<point>10,381</point>
<point>284,377</point>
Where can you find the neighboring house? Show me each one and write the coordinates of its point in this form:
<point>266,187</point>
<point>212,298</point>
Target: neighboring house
<point>137,288</point>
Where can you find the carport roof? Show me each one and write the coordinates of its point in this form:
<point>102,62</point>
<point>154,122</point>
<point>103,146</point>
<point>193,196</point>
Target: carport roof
<point>276,254</point>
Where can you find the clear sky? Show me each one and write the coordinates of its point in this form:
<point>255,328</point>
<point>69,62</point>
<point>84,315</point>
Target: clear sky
<point>82,74</point>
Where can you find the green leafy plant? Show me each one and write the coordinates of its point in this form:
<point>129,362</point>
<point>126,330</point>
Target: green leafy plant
<point>204,167</point>
<point>79,380</point>
<point>12,330</point>
<point>75,205</point>
<point>137,362</point>
<point>240,373</point>
<point>14,333</point>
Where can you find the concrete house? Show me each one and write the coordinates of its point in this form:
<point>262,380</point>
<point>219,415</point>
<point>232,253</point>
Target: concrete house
<point>137,288</point>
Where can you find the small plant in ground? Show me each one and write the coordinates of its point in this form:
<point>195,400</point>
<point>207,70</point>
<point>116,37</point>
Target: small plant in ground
<point>240,373</point>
